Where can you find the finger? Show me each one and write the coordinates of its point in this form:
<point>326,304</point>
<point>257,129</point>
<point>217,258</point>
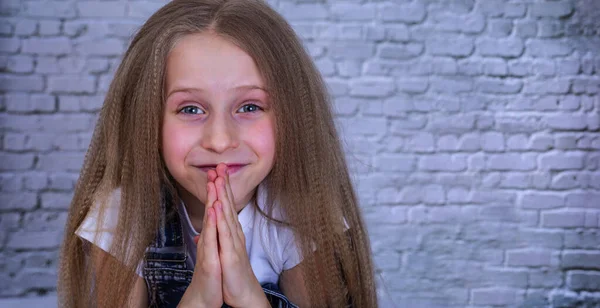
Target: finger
<point>224,232</point>
<point>230,194</point>
<point>212,175</point>
<point>211,193</point>
<point>209,247</point>
<point>224,198</point>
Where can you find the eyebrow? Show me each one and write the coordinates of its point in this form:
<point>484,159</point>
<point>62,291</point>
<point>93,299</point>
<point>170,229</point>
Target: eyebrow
<point>192,89</point>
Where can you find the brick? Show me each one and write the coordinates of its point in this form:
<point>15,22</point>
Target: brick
<point>143,9</point>
<point>18,201</point>
<point>337,87</point>
<point>20,64</point>
<point>15,161</point>
<point>47,46</point>
<point>443,162</point>
<point>568,67</point>
<point>47,65</point>
<point>511,161</point>
<point>586,239</point>
<point>514,180</point>
<point>420,143</point>
<point>71,84</point>
<point>563,219</point>
<point>451,84</point>
<point>34,240</point>
<point>561,161</point>
<point>495,67</point>
<point>469,67</point>
<point>9,45</point>
<point>412,123</point>
<point>35,181</point>
<point>49,27</point>
<point>493,296</point>
<point>447,143</point>
<point>293,12</point>
<point>30,103</point>
<point>433,194</point>
<point>581,260</point>
<point>517,142</point>
<point>514,10</point>
<point>49,9</point>
<point>566,180</point>
<point>6,28</point>
<point>583,280</point>
<point>500,27</point>
<point>545,48</point>
<point>363,126</point>
<point>492,8</point>
<point>100,9</point>
<point>529,258</point>
<point>412,85</point>
<point>544,279</point>
<point>550,29</point>
<point>387,215</point>
<point>104,47</point>
<point>53,200</point>
<point>352,12</point>
<point>387,260</point>
<point>584,199</point>
<point>10,221</point>
<point>406,13</point>
<point>519,68</point>
<point>557,9</point>
<point>400,51</point>
<point>62,181</point>
<point>499,86</point>
<point>403,163</point>
<point>10,182</point>
<point>543,67</point>
<point>508,48</point>
<point>372,87</point>
<point>492,142</point>
<point>542,201</point>
<point>566,142</point>
<point>350,50</point>
<point>556,86</point>
<point>526,28</point>
<point>25,27</point>
<point>541,142</point>
<point>459,123</point>
<point>454,46</point>
<point>60,161</point>
<point>444,66</point>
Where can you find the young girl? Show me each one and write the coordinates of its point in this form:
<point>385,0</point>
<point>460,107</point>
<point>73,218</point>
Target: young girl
<point>215,175</point>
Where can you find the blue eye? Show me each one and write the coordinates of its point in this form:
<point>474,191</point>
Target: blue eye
<point>249,108</point>
<point>191,110</point>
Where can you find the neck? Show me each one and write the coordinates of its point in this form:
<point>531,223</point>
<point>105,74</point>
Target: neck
<point>195,207</point>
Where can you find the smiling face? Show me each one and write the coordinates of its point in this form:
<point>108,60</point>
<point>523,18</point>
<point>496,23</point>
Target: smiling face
<point>216,111</point>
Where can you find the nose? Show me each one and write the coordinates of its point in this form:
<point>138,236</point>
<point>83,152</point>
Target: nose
<point>219,134</point>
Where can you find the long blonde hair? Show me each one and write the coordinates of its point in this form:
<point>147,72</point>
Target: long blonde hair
<point>309,180</point>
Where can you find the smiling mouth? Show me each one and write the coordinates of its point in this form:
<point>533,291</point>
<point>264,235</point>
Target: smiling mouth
<point>232,168</point>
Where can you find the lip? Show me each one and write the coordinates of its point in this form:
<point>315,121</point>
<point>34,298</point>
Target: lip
<point>233,168</point>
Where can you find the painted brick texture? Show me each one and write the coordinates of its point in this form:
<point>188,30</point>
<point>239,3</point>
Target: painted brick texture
<point>472,129</point>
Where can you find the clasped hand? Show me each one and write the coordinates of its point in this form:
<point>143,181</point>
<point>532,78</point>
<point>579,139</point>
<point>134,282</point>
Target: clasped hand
<point>222,272</point>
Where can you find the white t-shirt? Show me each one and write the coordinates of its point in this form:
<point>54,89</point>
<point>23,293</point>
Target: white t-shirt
<point>271,248</point>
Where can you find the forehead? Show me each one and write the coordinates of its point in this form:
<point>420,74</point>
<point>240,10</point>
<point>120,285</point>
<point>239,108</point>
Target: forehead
<point>210,62</point>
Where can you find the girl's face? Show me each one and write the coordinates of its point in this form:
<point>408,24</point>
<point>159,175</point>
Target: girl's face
<point>216,111</point>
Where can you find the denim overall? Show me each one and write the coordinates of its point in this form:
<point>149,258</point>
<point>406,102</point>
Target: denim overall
<point>167,274</point>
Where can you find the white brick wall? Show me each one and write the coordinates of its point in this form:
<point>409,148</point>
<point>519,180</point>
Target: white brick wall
<point>471,128</point>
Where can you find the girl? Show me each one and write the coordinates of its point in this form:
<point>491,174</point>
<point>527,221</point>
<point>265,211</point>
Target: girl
<point>215,174</point>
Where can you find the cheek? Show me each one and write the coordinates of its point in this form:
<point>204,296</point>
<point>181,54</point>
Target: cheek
<point>263,139</point>
<point>175,146</point>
